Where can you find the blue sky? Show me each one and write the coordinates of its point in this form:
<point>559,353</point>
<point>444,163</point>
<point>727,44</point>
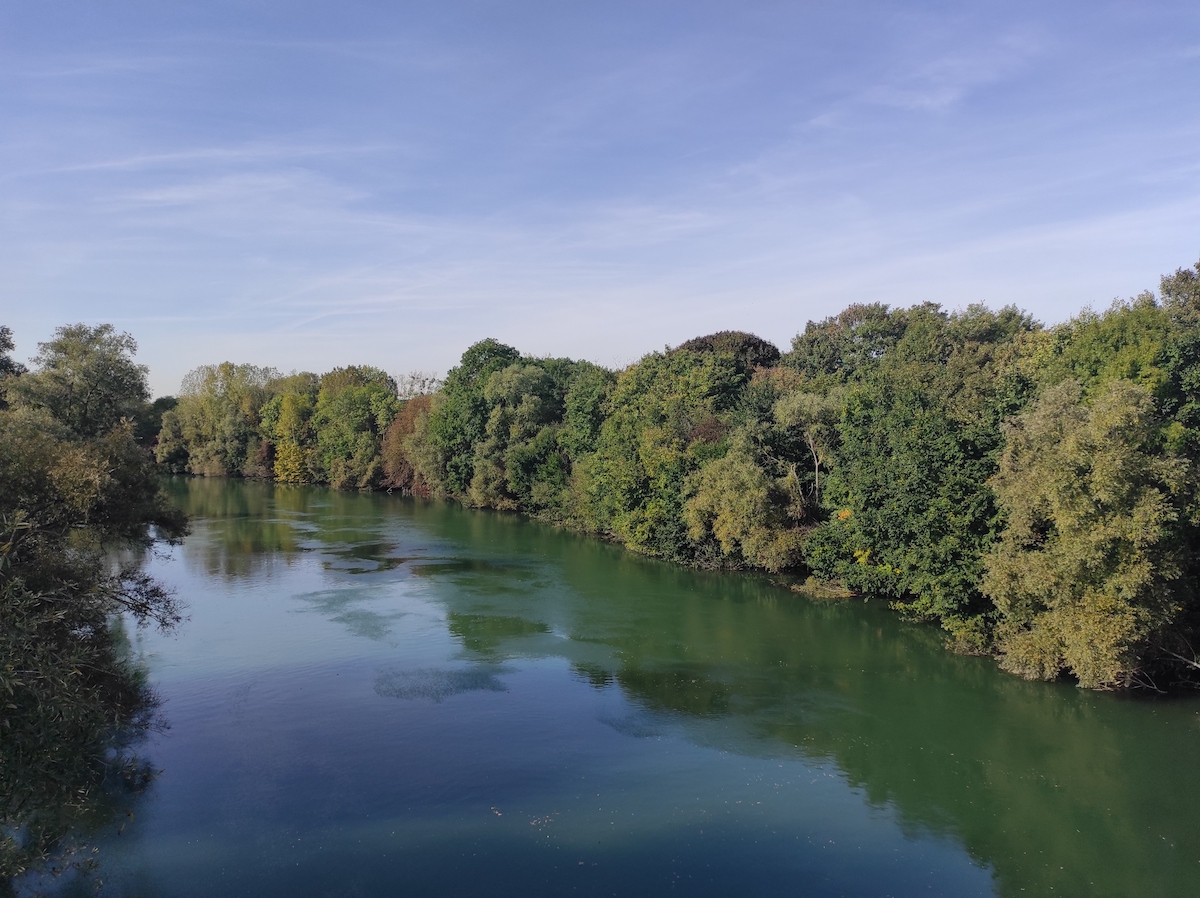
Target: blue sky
<point>312,184</point>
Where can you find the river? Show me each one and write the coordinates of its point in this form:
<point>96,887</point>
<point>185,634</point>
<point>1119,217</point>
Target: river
<point>378,696</point>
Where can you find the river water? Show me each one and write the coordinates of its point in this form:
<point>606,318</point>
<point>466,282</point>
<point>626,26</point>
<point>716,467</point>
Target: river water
<point>376,696</point>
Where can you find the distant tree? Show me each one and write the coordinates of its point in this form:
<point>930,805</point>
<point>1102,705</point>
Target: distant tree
<point>286,424</point>
<point>518,464</point>
<point>399,472</point>
<point>1181,358</point>
<point>9,367</point>
<point>459,420</point>
<point>845,344</point>
<point>333,382</point>
<point>736,501</point>
<point>1127,342</point>
<point>584,408</point>
<point>814,417</point>
<point>354,408</point>
<point>214,428</point>
<point>148,423</point>
<point>910,511</point>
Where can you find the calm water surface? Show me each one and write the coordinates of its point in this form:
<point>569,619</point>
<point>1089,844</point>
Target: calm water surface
<point>376,697</point>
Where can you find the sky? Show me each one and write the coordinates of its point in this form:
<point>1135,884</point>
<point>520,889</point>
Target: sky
<point>312,184</point>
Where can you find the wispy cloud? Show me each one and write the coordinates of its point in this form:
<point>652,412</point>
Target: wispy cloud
<point>248,154</point>
<point>89,65</point>
<point>937,84</point>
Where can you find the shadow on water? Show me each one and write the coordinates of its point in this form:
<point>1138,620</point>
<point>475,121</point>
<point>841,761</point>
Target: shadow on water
<point>436,685</point>
<point>1055,790</point>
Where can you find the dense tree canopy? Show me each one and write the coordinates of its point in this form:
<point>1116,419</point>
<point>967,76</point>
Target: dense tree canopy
<point>906,454</point>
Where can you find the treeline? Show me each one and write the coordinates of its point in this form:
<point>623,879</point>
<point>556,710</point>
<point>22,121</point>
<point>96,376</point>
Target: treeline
<point>1032,490</point>
<point>243,420</point>
<point>77,484</point>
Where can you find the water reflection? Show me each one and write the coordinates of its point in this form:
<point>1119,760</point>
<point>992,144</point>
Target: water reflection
<point>68,778</point>
<point>488,635</point>
<point>1053,790</point>
<point>350,606</point>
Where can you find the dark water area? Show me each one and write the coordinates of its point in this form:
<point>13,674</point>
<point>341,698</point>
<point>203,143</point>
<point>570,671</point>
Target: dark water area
<point>380,696</point>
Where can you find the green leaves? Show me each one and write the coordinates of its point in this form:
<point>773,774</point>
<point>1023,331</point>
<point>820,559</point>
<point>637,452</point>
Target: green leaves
<point>85,378</point>
<point>1084,577</point>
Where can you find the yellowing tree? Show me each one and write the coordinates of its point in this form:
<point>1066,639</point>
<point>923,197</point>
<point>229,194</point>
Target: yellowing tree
<point>1085,576</point>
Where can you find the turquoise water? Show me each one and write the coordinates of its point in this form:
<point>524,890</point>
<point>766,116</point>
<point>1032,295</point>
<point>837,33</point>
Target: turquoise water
<point>375,696</point>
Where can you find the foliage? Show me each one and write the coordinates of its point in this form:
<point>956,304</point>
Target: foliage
<point>1084,577</point>
<point>286,423</point>
<point>747,350</point>
<point>399,472</point>
<point>354,408</point>
<point>847,343</point>
<point>917,441</point>
<point>739,504</point>
<point>70,492</point>
<point>9,367</point>
<point>665,419</point>
<point>459,420</point>
<point>1128,342</point>
<point>86,378</point>
<point>1181,358</point>
<point>214,428</point>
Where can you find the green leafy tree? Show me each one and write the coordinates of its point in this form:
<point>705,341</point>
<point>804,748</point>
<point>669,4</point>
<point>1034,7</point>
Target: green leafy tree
<point>842,346</point>
<point>1086,575</point>
<point>747,511</point>
<point>9,367</point>
<point>1128,342</point>
<point>1181,358</point>
<point>920,434</point>
<point>666,419</point>
<point>458,421</point>
<point>523,401</point>
<point>86,379</point>
<point>214,429</point>
<point>584,409</point>
<point>747,350</point>
<point>813,418</point>
<point>355,407</point>
<point>287,424</point>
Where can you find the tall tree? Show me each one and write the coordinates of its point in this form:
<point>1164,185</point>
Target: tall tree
<point>85,378</point>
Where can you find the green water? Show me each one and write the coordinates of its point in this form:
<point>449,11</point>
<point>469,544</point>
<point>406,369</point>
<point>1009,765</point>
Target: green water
<point>376,696</point>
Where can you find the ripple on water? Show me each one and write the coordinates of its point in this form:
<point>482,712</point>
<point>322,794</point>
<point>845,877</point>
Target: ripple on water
<point>433,685</point>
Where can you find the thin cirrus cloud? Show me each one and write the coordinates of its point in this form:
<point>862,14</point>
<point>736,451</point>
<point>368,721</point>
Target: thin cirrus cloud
<point>313,186</point>
<point>938,84</point>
